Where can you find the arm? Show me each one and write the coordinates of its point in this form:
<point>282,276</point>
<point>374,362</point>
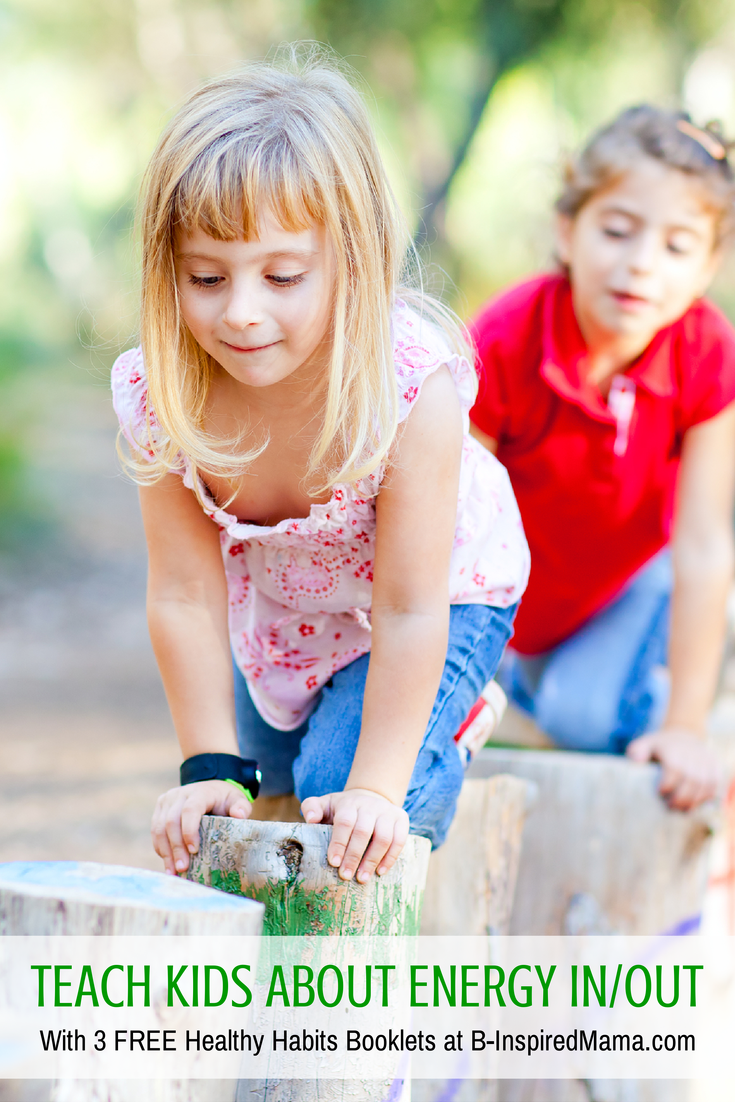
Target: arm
<point>487,442</point>
<point>416,517</point>
<point>187,619</point>
<point>704,555</point>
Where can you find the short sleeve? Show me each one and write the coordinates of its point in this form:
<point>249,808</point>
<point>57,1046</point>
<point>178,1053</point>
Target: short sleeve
<point>420,349</point>
<point>707,365</point>
<point>130,399</point>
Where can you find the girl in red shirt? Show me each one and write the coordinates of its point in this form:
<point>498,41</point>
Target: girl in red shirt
<point>607,391</point>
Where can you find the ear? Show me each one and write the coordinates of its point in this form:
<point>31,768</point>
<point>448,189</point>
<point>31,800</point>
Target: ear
<point>563,228</point>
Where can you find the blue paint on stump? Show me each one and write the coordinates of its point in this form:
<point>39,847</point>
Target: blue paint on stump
<point>116,883</point>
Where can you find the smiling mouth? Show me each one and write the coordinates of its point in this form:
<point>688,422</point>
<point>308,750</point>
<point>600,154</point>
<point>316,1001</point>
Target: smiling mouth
<point>252,348</point>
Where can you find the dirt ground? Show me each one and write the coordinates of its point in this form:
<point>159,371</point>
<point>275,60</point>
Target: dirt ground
<point>86,743</point>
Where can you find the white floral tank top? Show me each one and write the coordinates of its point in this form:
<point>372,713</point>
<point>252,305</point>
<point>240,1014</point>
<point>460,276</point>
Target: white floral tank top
<point>300,591</point>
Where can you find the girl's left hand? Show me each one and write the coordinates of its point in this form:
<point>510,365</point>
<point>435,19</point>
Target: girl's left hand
<point>690,770</point>
<point>369,831</point>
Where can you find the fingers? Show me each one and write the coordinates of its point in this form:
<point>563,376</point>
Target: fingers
<point>367,834</point>
<point>166,831</point>
<point>316,809</point>
<point>689,768</point>
<point>685,795</point>
<point>689,791</point>
<point>344,822</point>
<point>160,837</point>
<point>236,806</point>
<point>389,838</point>
<point>368,831</point>
<point>178,814</point>
<point>640,749</point>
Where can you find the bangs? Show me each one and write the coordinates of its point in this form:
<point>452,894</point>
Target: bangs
<point>233,182</point>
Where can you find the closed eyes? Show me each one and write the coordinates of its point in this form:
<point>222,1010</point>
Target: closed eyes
<point>275,280</point>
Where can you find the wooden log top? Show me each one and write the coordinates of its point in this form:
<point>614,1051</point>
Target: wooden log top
<point>105,899</point>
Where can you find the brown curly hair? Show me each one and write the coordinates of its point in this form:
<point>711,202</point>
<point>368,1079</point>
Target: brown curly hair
<point>667,136</point>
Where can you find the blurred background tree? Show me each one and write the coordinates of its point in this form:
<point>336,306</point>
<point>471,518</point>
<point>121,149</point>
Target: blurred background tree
<point>475,102</point>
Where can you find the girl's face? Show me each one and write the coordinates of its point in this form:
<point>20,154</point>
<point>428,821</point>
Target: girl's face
<point>260,308</point>
<point>639,253</point>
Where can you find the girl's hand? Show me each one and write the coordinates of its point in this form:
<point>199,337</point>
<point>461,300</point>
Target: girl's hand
<point>690,772</point>
<point>369,831</point>
<point>175,825</point>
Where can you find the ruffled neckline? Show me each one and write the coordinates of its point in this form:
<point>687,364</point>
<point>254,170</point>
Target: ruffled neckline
<point>321,516</point>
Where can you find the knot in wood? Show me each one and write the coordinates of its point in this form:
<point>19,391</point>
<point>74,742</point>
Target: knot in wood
<point>292,853</point>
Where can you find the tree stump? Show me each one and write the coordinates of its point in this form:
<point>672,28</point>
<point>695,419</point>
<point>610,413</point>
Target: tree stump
<point>82,897</point>
<point>470,887</point>
<point>284,865</point>
<point>602,853</point>
<point>471,881</point>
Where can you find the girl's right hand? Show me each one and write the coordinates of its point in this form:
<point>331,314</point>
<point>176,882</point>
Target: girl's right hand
<point>175,825</point>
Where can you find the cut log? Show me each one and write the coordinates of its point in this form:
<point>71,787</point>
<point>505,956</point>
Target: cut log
<point>471,880</point>
<point>602,853</point>
<point>81,897</point>
<point>284,865</point>
<point>470,886</point>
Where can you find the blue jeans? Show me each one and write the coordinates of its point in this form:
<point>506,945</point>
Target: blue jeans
<point>316,758</point>
<point>605,684</point>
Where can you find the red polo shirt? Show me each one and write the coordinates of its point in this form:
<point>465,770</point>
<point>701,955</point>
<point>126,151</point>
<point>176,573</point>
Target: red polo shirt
<point>593,512</point>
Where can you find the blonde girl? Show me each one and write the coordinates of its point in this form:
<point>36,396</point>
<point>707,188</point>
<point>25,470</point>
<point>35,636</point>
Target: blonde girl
<point>314,506</point>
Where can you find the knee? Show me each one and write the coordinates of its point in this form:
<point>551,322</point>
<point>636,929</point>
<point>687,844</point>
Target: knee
<point>576,717</point>
<point>432,800</point>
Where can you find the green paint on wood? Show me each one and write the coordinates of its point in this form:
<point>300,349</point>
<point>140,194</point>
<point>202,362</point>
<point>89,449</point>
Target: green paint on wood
<point>291,910</point>
<point>227,881</point>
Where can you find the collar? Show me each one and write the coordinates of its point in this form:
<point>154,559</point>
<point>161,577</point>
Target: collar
<point>564,350</point>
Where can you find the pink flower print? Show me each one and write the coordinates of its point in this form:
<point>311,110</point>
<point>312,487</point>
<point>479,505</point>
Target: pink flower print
<point>134,378</point>
<point>412,358</point>
<point>306,629</point>
<point>237,549</point>
<point>316,579</point>
<point>338,635</point>
<point>312,682</point>
<point>479,579</point>
<point>411,393</point>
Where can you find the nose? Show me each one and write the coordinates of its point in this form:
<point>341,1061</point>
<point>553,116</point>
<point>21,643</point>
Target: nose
<point>243,307</point>
<point>643,252</point>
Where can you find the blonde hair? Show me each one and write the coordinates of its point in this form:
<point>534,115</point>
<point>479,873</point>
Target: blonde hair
<point>294,137</point>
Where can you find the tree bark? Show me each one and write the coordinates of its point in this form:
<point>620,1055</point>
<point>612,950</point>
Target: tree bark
<point>284,865</point>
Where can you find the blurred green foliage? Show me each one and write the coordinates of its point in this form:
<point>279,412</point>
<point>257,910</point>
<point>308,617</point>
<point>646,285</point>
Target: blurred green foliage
<point>475,102</point>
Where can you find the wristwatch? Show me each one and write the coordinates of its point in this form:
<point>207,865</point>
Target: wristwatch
<point>242,773</point>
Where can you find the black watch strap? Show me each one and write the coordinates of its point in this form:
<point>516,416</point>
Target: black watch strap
<point>242,772</point>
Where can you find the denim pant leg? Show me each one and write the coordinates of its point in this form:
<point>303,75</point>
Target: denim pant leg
<point>603,686</point>
<point>477,636</point>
